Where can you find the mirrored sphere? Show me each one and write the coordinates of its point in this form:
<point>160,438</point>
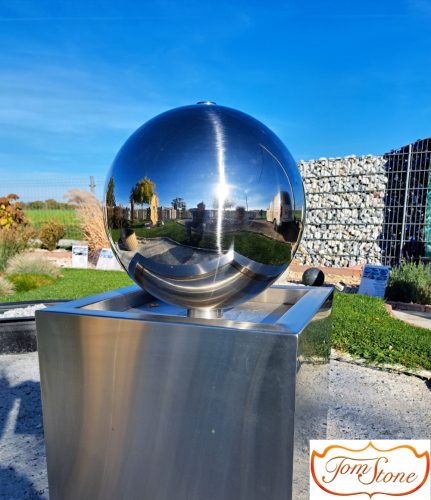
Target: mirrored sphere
<point>204,207</point>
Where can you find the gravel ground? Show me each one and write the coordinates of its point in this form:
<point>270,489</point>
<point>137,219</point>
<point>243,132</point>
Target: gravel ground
<point>22,312</point>
<point>365,404</point>
<point>371,404</point>
<point>22,452</point>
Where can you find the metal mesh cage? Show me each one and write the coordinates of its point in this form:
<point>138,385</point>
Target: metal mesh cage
<point>406,230</point>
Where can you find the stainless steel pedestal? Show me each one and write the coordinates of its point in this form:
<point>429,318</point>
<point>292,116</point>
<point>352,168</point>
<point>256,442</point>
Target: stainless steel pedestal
<point>142,402</point>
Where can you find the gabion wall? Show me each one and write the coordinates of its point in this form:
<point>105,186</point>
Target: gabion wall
<point>345,205</point>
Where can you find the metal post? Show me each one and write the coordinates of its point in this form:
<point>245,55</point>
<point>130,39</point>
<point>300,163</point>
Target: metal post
<point>406,194</point>
<point>92,184</point>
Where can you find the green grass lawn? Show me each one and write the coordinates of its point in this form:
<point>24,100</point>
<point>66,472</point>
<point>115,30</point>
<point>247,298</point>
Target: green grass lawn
<point>361,325</point>
<point>75,283</point>
<point>249,244</point>
<point>66,217</point>
<point>364,328</point>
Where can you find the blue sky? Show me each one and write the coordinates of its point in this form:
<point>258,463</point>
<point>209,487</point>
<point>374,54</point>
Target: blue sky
<point>331,78</point>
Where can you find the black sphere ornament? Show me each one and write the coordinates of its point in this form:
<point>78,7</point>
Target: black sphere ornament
<point>313,277</point>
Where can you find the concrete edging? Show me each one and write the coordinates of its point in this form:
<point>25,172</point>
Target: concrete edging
<point>404,306</point>
<point>348,358</point>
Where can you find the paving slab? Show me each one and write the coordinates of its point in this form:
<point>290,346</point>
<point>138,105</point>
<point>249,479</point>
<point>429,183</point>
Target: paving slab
<point>415,318</point>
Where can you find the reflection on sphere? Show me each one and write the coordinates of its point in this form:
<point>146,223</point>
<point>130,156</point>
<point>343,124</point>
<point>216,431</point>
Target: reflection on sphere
<point>204,206</point>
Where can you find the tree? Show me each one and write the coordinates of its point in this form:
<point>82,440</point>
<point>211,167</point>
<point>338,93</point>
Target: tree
<point>34,205</point>
<point>132,205</point>
<point>179,204</point>
<point>141,193</point>
<point>51,204</point>
<point>110,195</point>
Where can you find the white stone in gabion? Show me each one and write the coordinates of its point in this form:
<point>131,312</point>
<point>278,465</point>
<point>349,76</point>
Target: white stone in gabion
<point>347,193</point>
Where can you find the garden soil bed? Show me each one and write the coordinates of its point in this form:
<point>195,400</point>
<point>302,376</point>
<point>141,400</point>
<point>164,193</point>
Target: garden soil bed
<point>333,275</point>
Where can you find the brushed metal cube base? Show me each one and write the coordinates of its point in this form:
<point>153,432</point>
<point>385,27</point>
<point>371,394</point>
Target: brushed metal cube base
<point>142,402</point>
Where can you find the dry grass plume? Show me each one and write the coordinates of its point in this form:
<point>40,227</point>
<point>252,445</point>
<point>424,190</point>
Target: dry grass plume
<point>89,213</point>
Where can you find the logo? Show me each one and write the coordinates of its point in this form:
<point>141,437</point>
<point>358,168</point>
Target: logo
<point>380,469</point>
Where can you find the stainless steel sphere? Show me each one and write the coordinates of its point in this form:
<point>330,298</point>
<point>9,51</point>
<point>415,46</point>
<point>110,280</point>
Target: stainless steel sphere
<point>204,207</point>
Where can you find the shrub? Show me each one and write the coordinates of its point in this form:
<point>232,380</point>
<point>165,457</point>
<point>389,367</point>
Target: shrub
<point>32,264</point>
<point>6,287</point>
<point>50,234</point>
<point>11,214</point>
<point>410,282</point>
<point>90,215</point>
<point>12,242</point>
<point>9,246</point>
<point>26,282</point>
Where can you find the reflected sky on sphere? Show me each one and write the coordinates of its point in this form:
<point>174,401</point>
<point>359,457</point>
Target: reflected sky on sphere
<point>174,163</point>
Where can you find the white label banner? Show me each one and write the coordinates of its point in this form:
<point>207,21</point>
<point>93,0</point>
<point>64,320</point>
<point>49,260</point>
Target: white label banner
<point>80,256</point>
<point>107,261</point>
<point>374,280</point>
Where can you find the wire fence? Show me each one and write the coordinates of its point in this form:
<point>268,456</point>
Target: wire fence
<point>406,230</point>
<point>50,188</point>
<point>46,200</point>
